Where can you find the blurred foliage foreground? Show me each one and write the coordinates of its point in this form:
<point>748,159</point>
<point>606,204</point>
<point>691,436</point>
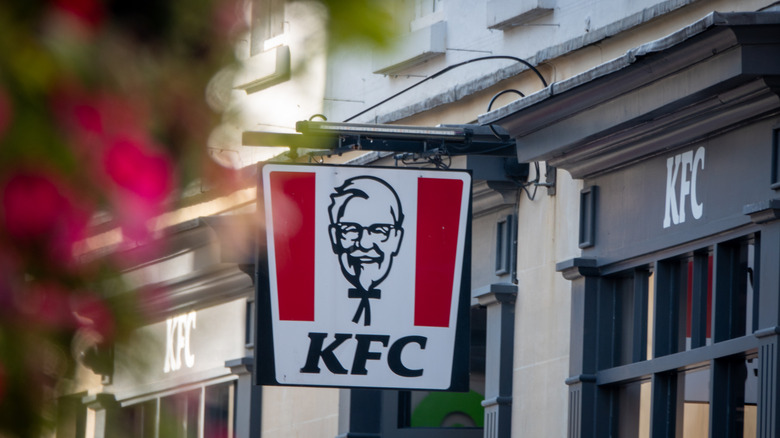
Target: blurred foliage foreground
<point>102,115</point>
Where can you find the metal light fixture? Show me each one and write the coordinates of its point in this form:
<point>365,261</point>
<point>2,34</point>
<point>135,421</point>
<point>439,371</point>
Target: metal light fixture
<point>454,139</point>
<point>383,131</point>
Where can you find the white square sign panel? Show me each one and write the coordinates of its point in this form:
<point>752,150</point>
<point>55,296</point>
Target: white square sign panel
<point>365,284</point>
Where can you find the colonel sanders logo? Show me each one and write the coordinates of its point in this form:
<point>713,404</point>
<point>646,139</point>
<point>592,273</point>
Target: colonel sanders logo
<point>365,233</point>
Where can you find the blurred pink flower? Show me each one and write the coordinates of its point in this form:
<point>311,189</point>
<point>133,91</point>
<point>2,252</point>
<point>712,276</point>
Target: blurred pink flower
<point>2,381</point>
<point>216,431</point>
<point>8,279</point>
<point>47,305</point>
<point>134,214</point>
<point>31,206</point>
<point>144,178</point>
<point>136,167</point>
<point>88,118</point>
<point>6,111</point>
<point>91,13</point>
<point>39,212</point>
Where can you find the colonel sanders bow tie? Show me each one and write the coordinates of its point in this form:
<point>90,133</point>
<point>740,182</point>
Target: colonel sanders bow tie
<point>364,306</point>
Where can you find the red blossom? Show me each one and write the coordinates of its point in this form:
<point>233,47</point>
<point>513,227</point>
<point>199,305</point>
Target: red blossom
<point>38,212</point>
<point>136,167</point>
<point>6,112</point>
<point>88,118</point>
<point>3,379</point>
<point>89,12</point>
<point>133,214</point>
<point>32,206</point>
<point>47,305</point>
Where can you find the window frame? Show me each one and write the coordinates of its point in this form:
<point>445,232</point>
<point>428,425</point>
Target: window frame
<point>732,341</point>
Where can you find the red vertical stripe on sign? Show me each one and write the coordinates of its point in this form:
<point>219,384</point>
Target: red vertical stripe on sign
<point>438,217</point>
<point>292,203</point>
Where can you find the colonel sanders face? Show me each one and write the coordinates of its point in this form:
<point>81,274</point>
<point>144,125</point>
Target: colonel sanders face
<point>365,230</point>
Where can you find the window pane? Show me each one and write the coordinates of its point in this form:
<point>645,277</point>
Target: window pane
<point>137,421</point>
<point>696,405</point>
<point>699,301</point>
<point>633,409</point>
<point>218,415</point>
<point>751,398</point>
<point>669,306</point>
<point>628,294</point>
<point>650,314</point>
<point>733,312</point>
<point>179,415</point>
<point>751,319</point>
<point>624,321</point>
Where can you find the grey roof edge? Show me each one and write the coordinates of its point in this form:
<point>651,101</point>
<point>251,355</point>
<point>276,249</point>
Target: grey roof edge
<point>486,81</point>
<point>617,64</point>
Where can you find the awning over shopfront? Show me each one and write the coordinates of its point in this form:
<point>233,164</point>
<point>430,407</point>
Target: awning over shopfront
<point>708,78</point>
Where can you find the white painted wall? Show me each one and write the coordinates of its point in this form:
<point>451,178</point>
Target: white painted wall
<point>548,233</point>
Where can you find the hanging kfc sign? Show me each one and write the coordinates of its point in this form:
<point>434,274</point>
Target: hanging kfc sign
<point>367,281</point>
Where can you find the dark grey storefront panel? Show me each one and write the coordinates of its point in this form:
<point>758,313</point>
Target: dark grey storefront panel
<point>731,171</point>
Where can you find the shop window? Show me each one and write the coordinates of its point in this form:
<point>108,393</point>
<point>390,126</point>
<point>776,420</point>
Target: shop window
<point>696,402</point>
<point>208,411</point>
<point>179,415</point>
<point>669,306</point>
<point>138,420</point>
<point>681,306</point>
<point>647,345</point>
<point>735,298</point>
<point>750,406</point>
<point>699,301</point>
<point>632,405</point>
<point>737,387</point>
<point>685,304</point>
<point>628,297</point>
<point>218,412</point>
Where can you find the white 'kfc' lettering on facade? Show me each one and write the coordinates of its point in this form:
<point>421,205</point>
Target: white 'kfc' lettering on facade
<point>177,340</point>
<point>686,165</point>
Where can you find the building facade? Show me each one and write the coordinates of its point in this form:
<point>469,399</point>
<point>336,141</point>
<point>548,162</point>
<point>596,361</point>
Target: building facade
<point>624,254</point>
